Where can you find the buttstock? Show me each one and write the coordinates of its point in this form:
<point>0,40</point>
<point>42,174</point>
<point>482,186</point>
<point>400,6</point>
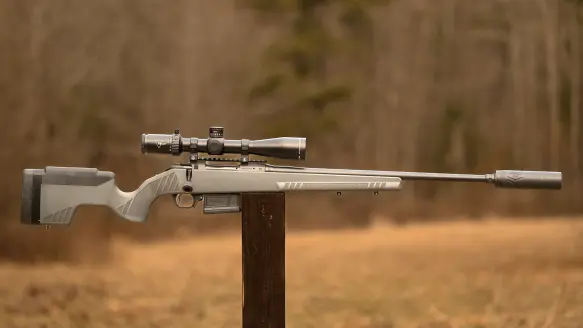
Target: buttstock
<point>52,195</point>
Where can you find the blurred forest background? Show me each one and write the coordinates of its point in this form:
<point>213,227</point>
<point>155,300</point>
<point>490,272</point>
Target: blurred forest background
<point>429,85</point>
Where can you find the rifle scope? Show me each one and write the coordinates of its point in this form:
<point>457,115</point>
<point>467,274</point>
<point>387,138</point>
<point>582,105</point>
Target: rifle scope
<point>215,144</point>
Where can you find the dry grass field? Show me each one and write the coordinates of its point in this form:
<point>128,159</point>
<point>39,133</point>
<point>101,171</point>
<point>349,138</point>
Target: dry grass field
<point>486,274</point>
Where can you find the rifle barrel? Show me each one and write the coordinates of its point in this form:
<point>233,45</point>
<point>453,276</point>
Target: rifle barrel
<point>500,179</point>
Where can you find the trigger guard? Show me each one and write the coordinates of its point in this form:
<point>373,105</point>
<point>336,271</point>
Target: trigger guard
<point>179,203</point>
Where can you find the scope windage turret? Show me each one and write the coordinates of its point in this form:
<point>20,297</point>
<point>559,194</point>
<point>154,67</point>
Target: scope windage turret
<point>215,144</point>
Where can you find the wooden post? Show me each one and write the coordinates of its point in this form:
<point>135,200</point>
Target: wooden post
<point>263,239</point>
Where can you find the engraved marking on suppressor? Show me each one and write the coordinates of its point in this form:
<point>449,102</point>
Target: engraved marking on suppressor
<point>514,178</point>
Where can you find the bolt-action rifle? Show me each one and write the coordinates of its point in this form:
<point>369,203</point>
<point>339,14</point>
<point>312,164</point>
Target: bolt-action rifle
<point>51,195</point>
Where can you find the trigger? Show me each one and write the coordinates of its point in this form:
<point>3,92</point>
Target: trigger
<point>185,200</point>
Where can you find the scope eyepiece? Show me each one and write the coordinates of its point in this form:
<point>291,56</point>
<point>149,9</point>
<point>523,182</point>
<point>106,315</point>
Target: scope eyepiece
<point>215,144</point>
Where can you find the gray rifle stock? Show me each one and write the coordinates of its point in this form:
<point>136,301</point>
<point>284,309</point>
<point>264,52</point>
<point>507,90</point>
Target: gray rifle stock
<point>51,196</point>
